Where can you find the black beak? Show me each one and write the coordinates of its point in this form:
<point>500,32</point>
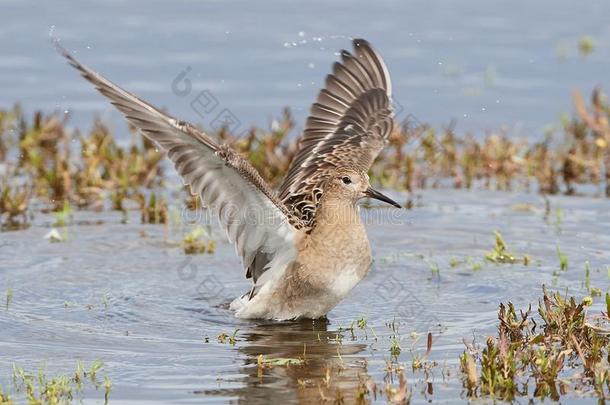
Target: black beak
<point>378,196</point>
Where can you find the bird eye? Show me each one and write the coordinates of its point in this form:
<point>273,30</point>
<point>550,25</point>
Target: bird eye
<point>346,180</point>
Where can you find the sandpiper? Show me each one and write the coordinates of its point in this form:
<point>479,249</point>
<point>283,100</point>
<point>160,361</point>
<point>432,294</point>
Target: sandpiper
<point>304,246</point>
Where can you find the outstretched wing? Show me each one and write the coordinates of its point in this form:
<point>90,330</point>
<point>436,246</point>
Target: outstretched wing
<point>348,126</point>
<point>248,210</point>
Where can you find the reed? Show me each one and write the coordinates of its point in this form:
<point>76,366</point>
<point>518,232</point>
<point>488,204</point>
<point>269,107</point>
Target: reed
<point>45,165</point>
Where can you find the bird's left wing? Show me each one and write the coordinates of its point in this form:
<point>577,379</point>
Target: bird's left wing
<point>349,125</point>
<point>247,209</point>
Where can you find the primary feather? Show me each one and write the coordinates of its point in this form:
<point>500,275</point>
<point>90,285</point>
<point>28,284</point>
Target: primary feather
<point>348,126</point>
<point>248,210</point>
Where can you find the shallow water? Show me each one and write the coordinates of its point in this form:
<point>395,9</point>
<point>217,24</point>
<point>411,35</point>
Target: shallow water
<point>483,64</point>
<point>126,294</point>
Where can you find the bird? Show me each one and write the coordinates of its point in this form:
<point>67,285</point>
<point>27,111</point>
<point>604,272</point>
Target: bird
<point>304,245</point>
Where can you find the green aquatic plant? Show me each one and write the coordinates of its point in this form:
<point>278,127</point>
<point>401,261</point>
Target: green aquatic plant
<point>41,152</point>
<point>95,367</point>
<point>46,159</point>
<point>62,217</point>
<point>226,338</point>
<point>395,348</point>
<point>56,390</point>
<point>563,259</point>
<point>434,268</point>
<point>594,291</point>
<point>154,210</point>
<point>501,254</point>
<point>560,347</point>
<point>233,338</point>
<point>105,300</point>
<point>419,361</point>
<point>470,263</point>
<point>586,45</point>
<point>5,399</point>
<point>362,321</point>
<point>469,370</point>
<point>198,241</point>
<point>107,389</point>
<point>14,204</point>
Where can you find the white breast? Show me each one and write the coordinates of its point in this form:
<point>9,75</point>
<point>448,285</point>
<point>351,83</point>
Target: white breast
<point>347,279</point>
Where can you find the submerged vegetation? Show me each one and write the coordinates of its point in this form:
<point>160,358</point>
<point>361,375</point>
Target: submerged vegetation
<point>198,241</point>
<point>60,389</point>
<point>45,166</point>
<point>500,253</point>
<point>561,350</point>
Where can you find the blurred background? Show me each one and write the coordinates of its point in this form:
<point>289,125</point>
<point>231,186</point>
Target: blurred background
<point>480,64</point>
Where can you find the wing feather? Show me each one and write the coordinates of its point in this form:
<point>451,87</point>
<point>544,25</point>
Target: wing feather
<point>348,126</point>
<point>248,211</point>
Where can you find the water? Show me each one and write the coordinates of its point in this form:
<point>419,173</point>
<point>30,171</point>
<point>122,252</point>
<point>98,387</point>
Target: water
<point>125,294</point>
<point>483,64</point>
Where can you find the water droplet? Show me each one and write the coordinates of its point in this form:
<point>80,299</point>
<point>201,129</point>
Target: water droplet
<point>311,65</point>
<point>301,34</point>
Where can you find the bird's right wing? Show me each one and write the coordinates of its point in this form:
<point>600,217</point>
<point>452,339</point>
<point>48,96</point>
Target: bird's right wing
<point>349,125</point>
<point>227,183</point>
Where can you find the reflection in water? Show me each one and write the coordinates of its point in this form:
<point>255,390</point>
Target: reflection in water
<point>329,365</point>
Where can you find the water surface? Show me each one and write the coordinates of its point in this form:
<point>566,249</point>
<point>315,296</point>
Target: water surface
<point>483,64</point>
<point>126,294</point>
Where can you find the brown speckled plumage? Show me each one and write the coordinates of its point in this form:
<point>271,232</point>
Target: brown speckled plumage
<point>348,126</point>
<point>290,250</point>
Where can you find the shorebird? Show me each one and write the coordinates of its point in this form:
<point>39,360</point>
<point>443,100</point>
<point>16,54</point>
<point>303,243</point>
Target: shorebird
<point>304,246</point>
